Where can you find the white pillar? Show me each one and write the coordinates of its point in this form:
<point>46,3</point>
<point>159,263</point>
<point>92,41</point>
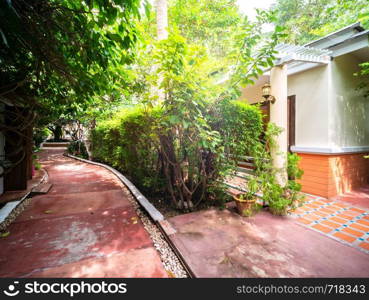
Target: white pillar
<point>278,116</point>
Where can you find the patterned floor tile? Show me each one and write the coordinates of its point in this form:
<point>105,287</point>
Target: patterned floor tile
<point>337,220</point>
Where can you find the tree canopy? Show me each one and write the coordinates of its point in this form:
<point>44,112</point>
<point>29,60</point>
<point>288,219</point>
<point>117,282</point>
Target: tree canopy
<point>56,55</point>
<point>212,24</point>
<point>306,20</point>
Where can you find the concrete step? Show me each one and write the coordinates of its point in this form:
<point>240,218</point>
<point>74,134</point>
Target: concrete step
<point>42,188</point>
<point>55,144</point>
<point>245,170</point>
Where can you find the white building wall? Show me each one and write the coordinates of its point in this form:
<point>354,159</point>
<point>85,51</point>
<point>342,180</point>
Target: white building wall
<point>349,110</point>
<point>331,113</point>
<point>311,88</point>
<point>252,94</point>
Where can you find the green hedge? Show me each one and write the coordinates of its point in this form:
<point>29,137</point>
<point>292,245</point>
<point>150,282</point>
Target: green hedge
<point>130,142</point>
<point>240,125</point>
<point>78,148</point>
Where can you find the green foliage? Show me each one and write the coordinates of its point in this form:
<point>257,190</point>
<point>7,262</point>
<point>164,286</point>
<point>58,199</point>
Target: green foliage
<point>78,148</point>
<point>254,49</point>
<point>240,125</point>
<point>128,141</point>
<point>211,24</point>
<point>40,135</point>
<point>56,55</point>
<point>293,170</point>
<point>57,131</point>
<point>279,198</point>
<point>247,49</point>
<point>340,13</point>
<point>186,151</point>
<point>363,74</point>
<point>253,186</point>
<point>307,20</point>
<point>157,146</point>
<point>36,163</point>
<point>294,173</point>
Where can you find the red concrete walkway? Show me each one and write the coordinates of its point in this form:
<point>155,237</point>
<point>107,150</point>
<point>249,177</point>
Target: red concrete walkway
<point>84,227</point>
<point>218,243</point>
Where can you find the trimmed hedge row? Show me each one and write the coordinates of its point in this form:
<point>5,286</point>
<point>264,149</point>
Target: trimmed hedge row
<point>130,142</point>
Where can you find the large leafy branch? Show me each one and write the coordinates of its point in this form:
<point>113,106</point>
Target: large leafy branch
<point>57,54</point>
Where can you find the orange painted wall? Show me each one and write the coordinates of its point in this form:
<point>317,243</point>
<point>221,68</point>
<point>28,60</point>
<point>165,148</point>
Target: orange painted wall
<point>331,175</point>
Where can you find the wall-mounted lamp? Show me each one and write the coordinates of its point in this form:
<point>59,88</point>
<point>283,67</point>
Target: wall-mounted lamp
<point>266,90</point>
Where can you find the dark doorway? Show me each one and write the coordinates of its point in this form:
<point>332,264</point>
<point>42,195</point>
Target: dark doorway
<point>291,121</point>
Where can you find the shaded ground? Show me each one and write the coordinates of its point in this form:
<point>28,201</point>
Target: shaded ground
<point>16,195</point>
<point>358,197</point>
<point>218,243</point>
<point>84,227</point>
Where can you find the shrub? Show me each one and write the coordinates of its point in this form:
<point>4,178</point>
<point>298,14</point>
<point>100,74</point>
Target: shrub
<point>173,152</point>
<point>293,170</point>
<point>240,125</point>
<point>279,198</point>
<point>128,142</point>
<point>187,147</point>
<point>40,135</point>
<point>78,148</point>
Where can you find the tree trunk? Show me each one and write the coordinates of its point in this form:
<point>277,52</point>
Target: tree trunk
<point>162,19</point>
<point>162,34</point>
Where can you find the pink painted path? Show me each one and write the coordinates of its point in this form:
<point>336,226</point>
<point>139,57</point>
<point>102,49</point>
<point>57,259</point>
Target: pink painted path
<point>220,243</point>
<point>84,227</point>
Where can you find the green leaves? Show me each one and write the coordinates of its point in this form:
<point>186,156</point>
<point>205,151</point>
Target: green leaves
<point>66,51</point>
<point>308,20</point>
<point>4,234</point>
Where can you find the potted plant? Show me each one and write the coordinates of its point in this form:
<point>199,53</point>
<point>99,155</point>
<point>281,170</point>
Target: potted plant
<point>246,202</point>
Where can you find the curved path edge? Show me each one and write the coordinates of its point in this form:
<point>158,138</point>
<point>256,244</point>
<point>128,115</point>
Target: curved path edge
<point>157,217</point>
<point>150,209</point>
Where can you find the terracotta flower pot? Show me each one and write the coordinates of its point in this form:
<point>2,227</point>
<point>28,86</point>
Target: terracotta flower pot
<point>245,207</point>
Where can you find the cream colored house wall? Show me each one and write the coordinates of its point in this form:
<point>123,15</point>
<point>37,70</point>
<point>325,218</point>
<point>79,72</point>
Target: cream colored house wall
<point>331,114</point>
<point>252,94</point>
<point>312,92</point>
<point>349,110</point>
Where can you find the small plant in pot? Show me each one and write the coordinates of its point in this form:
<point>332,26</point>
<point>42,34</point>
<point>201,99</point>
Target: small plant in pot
<point>246,202</point>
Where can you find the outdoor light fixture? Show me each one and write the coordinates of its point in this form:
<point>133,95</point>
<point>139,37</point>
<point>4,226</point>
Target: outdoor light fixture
<point>266,90</point>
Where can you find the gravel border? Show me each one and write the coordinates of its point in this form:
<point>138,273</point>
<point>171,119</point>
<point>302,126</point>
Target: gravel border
<point>25,201</point>
<point>170,260</point>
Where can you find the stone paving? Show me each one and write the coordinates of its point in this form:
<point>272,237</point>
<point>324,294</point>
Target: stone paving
<point>84,227</point>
